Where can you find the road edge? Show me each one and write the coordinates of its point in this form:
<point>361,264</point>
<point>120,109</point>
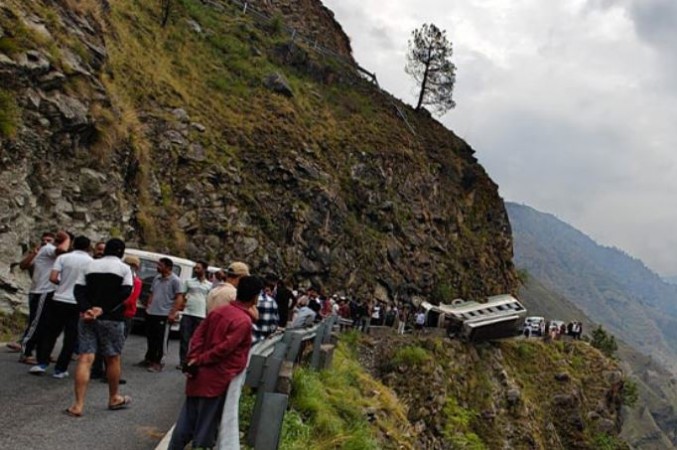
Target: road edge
<point>164,443</point>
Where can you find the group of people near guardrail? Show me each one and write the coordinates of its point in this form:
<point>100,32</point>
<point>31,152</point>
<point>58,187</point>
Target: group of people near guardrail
<point>88,293</point>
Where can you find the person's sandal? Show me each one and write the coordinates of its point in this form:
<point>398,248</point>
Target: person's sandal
<point>126,401</point>
<point>70,413</point>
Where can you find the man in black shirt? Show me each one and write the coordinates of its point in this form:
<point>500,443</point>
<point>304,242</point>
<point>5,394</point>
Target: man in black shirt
<point>100,292</point>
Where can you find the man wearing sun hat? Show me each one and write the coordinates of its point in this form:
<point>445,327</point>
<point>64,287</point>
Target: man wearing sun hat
<point>226,293</point>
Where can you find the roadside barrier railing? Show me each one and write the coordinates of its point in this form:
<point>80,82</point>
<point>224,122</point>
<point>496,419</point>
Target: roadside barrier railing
<point>270,372</point>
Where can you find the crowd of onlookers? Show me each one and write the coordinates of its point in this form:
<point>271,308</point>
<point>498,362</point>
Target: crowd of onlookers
<point>89,294</point>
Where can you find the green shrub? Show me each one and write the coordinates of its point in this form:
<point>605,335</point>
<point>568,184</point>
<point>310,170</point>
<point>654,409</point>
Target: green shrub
<point>605,442</point>
<point>457,427</point>
<point>411,355</point>
<point>605,342</point>
<point>630,392</point>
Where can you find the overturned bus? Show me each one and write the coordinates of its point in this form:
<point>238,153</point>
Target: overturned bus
<point>500,317</point>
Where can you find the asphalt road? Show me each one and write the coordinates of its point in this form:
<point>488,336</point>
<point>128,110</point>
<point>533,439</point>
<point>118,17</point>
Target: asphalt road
<point>31,406</point>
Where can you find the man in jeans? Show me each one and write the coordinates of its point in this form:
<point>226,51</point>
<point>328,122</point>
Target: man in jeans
<point>62,309</point>
<point>165,292</point>
<point>193,303</point>
<point>100,292</point>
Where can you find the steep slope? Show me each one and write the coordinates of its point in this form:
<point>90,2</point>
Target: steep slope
<point>651,423</point>
<point>608,285</point>
<point>220,137</point>
<point>514,394</point>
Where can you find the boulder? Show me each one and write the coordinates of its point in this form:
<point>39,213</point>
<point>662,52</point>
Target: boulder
<point>72,112</point>
<point>52,80</point>
<point>34,62</point>
<point>92,183</point>
<point>279,84</point>
<point>563,377</point>
<point>514,396</point>
<point>181,115</point>
<point>193,25</point>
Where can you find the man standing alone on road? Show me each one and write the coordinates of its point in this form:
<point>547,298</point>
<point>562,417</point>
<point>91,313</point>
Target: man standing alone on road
<point>100,292</point>
<point>193,303</point>
<point>165,292</point>
<point>218,352</point>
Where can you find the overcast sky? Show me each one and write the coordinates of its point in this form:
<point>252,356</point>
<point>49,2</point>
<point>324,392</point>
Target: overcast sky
<point>571,105</point>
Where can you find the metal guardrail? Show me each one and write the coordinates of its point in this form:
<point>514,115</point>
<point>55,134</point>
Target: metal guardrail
<point>271,365</point>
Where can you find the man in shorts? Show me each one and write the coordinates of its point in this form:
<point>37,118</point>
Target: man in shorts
<point>100,292</point>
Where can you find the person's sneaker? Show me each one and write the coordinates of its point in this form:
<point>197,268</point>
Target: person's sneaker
<point>39,369</point>
<point>30,360</point>
<point>155,368</point>
<point>59,375</point>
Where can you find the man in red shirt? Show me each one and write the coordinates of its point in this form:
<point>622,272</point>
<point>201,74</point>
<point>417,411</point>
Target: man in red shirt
<point>218,352</point>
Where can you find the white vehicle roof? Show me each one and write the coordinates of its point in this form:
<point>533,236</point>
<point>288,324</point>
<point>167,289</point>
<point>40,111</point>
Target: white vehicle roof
<point>156,257</point>
<point>534,319</point>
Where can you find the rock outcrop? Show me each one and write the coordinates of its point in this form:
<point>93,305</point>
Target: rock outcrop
<point>169,138</point>
<point>510,394</point>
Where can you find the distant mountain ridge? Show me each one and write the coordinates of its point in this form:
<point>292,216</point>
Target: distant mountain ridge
<point>610,286</point>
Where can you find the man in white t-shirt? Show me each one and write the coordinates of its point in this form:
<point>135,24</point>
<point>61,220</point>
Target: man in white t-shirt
<point>62,312</point>
<point>40,261</point>
<point>193,303</point>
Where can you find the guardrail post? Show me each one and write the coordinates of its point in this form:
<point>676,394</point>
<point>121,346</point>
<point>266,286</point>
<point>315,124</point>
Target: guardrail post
<point>317,344</point>
<point>280,350</point>
<point>267,386</point>
<point>255,371</point>
<point>268,438</point>
<point>294,347</point>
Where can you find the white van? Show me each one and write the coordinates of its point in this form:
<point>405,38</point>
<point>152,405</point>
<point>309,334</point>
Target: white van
<point>183,268</point>
<point>534,326</point>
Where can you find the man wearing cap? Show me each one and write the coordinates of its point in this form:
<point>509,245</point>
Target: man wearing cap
<point>227,292</point>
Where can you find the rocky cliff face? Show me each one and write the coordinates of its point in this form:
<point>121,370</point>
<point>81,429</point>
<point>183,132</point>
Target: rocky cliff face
<point>214,137</point>
<point>523,394</point>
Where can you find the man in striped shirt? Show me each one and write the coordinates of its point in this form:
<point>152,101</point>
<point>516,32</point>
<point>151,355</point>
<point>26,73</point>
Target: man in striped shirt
<point>268,316</point>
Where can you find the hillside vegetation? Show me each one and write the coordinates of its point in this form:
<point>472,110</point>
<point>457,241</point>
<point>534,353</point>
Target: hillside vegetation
<point>391,392</point>
<point>219,137</point>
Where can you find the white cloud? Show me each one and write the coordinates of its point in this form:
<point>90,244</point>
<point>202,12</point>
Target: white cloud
<point>570,104</point>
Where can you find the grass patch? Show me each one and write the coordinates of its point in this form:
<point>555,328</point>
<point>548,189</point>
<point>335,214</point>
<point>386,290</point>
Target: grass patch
<point>411,355</point>
<point>345,408</point>
<point>9,114</point>
<point>11,325</point>
<point>457,428</point>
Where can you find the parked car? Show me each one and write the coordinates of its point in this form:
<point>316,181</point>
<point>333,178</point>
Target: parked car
<point>183,268</point>
<point>534,325</point>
